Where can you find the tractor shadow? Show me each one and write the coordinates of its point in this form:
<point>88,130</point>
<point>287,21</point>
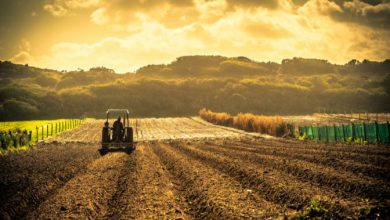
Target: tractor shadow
<point>128,151</point>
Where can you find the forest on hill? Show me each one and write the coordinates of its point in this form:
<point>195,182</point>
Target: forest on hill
<point>181,88</point>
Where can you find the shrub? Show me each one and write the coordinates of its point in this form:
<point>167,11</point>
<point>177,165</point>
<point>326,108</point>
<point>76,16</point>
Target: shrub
<point>272,125</point>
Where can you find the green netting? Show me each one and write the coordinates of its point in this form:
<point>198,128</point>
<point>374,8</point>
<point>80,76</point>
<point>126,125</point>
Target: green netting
<point>359,131</point>
<point>315,133</point>
<point>309,131</point>
<point>339,133</point>
<point>323,133</point>
<point>331,134</point>
<point>302,131</point>
<point>348,132</point>
<point>383,133</point>
<point>370,130</point>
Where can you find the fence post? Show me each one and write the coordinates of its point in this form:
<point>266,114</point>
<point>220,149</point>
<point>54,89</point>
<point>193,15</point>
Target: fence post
<point>56,128</point>
<point>36,127</point>
<point>43,133</point>
<point>47,130</point>
<point>353,132</point>
<point>342,126</point>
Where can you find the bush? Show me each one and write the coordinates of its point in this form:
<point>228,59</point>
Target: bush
<point>272,125</point>
<point>17,110</point>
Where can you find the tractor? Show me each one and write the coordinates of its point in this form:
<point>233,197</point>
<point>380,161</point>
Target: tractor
<point>119,136</point>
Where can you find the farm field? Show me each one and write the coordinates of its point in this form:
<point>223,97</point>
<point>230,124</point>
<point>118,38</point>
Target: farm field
<point>28,125</point>
<point>188,168</point>
<point>31,125</point>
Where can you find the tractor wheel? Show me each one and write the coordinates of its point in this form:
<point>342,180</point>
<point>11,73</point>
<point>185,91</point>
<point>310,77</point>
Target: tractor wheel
<point>105,135</point>
<point>104,150</point>
<point>129,135</point>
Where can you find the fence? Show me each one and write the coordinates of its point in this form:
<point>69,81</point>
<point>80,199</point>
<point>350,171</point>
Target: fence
<point>44,131</point>
<point>372,133</point>
<point>16,137</point>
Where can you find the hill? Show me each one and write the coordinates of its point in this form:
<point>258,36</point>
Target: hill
<point>238,84</point>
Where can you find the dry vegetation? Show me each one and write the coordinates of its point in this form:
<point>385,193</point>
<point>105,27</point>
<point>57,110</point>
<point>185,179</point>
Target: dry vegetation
<point>272,125</point>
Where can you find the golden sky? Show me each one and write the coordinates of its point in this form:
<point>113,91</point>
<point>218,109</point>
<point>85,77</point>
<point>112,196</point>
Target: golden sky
<point>126,34</point>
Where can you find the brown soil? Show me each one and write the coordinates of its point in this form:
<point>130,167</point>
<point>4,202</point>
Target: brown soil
<point>184,168</point>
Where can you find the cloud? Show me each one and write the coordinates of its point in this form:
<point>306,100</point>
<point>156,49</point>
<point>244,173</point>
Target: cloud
<point>210,11</point>
<point>261,34</point>
<point>155,44</point>
<point>100,16</point>
<point>23,56</point>
<point>320,6</point>
<point>372,13</point>
<point>55,10</point>
<point>377,15</point>
<point>59,8</point>
<point>125,35</point>
<point>271,4</point>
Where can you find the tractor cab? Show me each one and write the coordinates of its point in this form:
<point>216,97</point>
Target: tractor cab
<point>120,133</point>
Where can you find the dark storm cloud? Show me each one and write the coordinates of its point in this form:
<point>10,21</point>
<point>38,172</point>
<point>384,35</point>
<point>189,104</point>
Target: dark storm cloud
<point>375,14</point>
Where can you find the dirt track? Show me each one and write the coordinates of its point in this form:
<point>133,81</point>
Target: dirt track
<point>186,168</point>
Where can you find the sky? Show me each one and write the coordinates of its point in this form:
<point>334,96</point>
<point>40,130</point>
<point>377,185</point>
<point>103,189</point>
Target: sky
<point>126,34</point>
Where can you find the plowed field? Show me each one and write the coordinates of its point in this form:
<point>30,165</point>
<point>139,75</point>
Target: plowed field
<point>185,168</point>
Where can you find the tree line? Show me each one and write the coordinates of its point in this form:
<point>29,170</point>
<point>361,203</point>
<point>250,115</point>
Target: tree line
<point>232,85</point>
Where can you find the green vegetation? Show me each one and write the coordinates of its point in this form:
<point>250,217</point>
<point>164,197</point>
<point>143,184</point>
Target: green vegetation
<point>28,125</point>
<point>15,136</point>
<point>314,210</point>
<point>181,88</point>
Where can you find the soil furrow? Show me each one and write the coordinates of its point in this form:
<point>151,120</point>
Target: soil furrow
<point>86,196</point>
<point>360,169</point>
<point>213,194</point>
<point>374,150</point>
<point>346,184</point>
<point>149,193</point>
<point>376,160</point>
<point>28,178</point>
<point>276,187</point>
